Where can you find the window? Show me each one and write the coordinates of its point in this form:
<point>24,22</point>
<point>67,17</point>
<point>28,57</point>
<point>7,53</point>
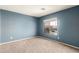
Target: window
<point>50,26</point>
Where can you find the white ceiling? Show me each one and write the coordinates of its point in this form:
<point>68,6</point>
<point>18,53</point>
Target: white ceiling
<point>35,10</point>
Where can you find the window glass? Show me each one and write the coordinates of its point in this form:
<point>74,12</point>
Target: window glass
<point>50,26</point>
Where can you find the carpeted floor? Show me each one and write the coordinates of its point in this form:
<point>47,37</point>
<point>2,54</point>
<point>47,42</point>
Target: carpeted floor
<point>36,45</point>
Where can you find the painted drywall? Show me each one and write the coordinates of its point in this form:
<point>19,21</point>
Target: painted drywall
<point>68,26</point>
<point>16,26</point>
<point>0,26</point>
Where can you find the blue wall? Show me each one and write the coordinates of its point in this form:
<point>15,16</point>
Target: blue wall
<point>68,21</point>
<point>0,26</point>
<point>17,26</point>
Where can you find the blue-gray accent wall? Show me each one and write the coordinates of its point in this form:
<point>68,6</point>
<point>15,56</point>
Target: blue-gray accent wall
<point>68,22</point>
<point>16,26</point>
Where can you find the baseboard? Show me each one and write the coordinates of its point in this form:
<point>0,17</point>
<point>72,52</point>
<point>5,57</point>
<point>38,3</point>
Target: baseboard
<point>69,45</point>
<point>39,37</point>
<point>16,40</point>
<point>61,42</point>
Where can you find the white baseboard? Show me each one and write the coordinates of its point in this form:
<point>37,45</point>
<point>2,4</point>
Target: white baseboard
<point>69,45</point>
<point>39,37</point>
<point>60,42</point>
<point>16,40</point>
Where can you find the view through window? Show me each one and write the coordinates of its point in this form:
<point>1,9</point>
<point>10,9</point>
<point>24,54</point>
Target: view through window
<point>50,26</point>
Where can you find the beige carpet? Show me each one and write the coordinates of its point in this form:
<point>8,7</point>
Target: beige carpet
<point>36,45</point>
